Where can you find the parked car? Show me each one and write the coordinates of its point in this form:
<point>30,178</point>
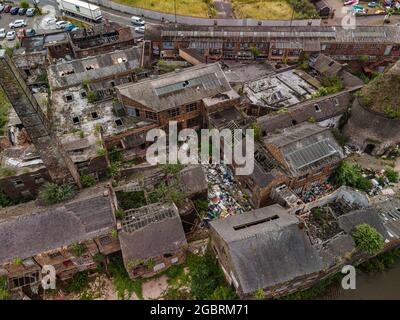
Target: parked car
<point>75,29</point>
<point>61,24</point>
<point>2,6</point>
<point>22,11</point>
<point>372,4</point>
<point>69,27</point>
<point>360,11</point>
<point>7,8</point>
<point>50,21</point>
<point>30,32</point>
<point>139,30</point>
<point>10,35</point>
<point>137,21</point>
<point>14,10</point>
<point>17,24</point>
<point>30,12</point>
<point>350,2</point>
<point>2,33</point>
<point>357,6</point>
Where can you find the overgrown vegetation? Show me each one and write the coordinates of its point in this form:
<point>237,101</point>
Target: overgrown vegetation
<point>166,67</point>
<point>201,206</point>
<point>52,193</point>
<point>321,288</point>
<point>392,175</point>
<point>77,249</point>
<point>4,109</point>
<point>259,294</point>
<point>350,175</point>
<point>124,285</point>
<point>78,283</point>
<point>4,292</point>
<point>381,262</point>
<point>330,85</point>
<point>131,200</point>
<point>368,239</point>
<point>257,131</point>
<point>378,95</point>
<point>87,181</point>
<point>204,278</point>
<point>6,201</point>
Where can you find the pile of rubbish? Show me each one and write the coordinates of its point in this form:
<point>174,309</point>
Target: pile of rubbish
<point>224,198</point>
<point>315,192</point>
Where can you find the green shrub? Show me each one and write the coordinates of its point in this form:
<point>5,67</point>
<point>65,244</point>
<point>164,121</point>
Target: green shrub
<point>119,214</point>
<point>101,152</point>
<point>77,249</point>
<point>350,175</point>
<point>392,175</point>
<point>24,4</point>
<point>4,292</point>
<point>87,181</point>
<point>257,131</point>
<point>78,282</point>
<point>51,193</point>
<point>259,294</point>
<point>92,96</point>
<point>368,239</point>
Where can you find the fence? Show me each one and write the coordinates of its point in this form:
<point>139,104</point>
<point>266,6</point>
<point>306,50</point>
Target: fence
<point>201,21</point>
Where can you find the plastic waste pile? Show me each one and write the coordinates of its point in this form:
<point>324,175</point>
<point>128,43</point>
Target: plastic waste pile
<point>224,198</point>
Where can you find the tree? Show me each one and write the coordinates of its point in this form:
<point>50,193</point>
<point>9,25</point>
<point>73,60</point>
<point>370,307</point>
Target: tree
<point>52,193</point>
<point>368,239</point>
<point>350,175</point>
<point>92,96</point>
<point>24,4</point>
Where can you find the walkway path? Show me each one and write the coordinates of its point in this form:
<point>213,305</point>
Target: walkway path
<point>224,9</point>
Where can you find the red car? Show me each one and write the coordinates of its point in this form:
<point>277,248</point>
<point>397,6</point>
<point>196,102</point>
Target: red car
<point>7,8</point>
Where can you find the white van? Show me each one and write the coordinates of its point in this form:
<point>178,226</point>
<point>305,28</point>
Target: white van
<point>137,21</point>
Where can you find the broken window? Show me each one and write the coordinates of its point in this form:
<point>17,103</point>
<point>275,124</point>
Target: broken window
<point>55,255</point>
<point>75,120</point>
<point>336,102</point>
<point>330,64</point>
<point>17,183</point>
<point>25,280</point>
<point>94,115</point>
<point>317,108</point>
<point>68,97</point>
<point>112,83</point>
<point>191,107</point>
<point>83,94</point>
<point>38,178</point>
<point>118,122</point>
<point>151,115</point>
<point>173,112</point>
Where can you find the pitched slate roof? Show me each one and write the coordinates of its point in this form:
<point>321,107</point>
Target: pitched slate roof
<point>325,65</point>
<point>29,229</point>
<point>389,211</point>
<point>320,109</point>
<point>150,231</point>
<point>267,247</point>
<point>178,88</point>
<point>72,73</point>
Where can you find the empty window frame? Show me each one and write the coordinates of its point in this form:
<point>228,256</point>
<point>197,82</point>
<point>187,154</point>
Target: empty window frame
<point>173,112</point>
<point>191,107</point>
<point>151,115</point>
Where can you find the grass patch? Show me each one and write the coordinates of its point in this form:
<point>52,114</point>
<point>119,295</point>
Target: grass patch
<point>4,109</point>
<point>195,8</point>
<point>273,9</point>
